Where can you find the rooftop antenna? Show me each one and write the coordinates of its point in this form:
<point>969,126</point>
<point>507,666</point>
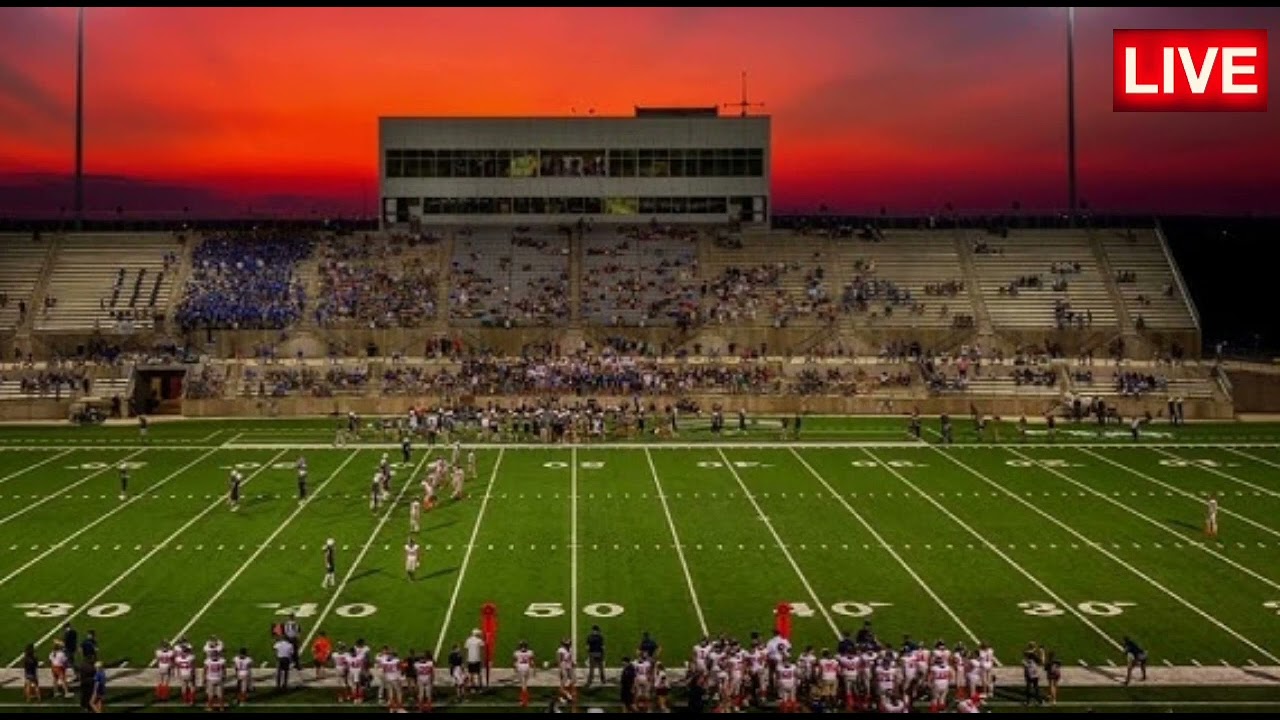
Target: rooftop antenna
<point>743,105</point>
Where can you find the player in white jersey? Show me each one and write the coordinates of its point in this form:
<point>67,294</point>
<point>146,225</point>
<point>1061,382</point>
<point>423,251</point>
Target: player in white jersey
<point>244,675</point>
<point>523,663</point>
<point>342,668</point>
<point>1211,517</point>
<point>185,661</point>
<point>411,552</point>
<point>212,646</point>
<point>379,665</point>
<point>424,668</point>
<point>973,675</point>
<point>456,455</point>
<point>458,477</point>
<point>357,660</point>
<point>987,665</point>
<point>807,670</point>
<point>58,662</point>
<point>644,681</point>
<point>885,676</point>
<point>940,675</point>
<point>471,464</point>
<point>907,669</point>
<point>215,669</point>
<point>568,673</point>
<point>391,680</point>
<point>164,670</point>
<point>787,683</point>
<point>415,516</point>
<point>661,687</point>
<point>960,674</point>
<point>828,675</point>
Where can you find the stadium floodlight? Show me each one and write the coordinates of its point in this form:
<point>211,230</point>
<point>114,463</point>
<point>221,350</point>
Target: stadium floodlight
<point>78,206</point>
<point>1071,115</point>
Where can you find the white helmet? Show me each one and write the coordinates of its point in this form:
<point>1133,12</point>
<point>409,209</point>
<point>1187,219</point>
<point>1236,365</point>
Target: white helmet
<point>329,542</point>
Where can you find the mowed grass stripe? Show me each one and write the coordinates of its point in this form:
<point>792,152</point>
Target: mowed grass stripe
<point>56,494</point>
<point>1229,583</point>
<point>528,526</point>
<point>1197,573</point>
<point>1237,480</point>
<point>314,495</point>
<point>1057,559</point>
<point>124,505</point>
<point>981,586</point>
<point>63,515</point>
<point>1208,465</point>
<point>280,582</point>
<point>133,623</point>
<point>618,503</point>
<point>384,513</point>
<point>833,549</point>
<point>174,579</point>
<point>1192,490</point>
<point>486,495</point>
<point>70,576</point>
<point>739,582</point>
<point>1157,521</point>
<point>16,464</point>
<point>995,460</point>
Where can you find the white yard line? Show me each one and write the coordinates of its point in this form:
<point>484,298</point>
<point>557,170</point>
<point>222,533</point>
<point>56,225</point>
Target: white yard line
<point>466,557</point>
<point>992,547</point>
<point>675,537</point>
<point>1219,473</point>
<point>1254,458</point>
<point>1173,488</point>
<point>29,468</point>
<point>777,445</point>
<point>163,544</point>
<point>101,518</point>
<point>1136,513</point>
<point>1118,560</point>
<point>55,494</point>
<point>781,546</point>
<point>573,552</point>
<point>337,592</point>
<point>261,548</point>
<point>858,516</point>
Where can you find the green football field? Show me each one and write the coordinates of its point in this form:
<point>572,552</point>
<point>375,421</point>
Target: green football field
<point>1074,543</point>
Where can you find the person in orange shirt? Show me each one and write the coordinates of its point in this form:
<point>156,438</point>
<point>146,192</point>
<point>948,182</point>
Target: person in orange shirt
<point>321,649</point>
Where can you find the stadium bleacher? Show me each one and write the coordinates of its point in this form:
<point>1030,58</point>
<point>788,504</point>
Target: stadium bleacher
<point>21,261</point>
<point>109,281</point>
<point>510,276</point>
<point>1146,281</point>
<point>638,275</point>
<point>1048,278</point>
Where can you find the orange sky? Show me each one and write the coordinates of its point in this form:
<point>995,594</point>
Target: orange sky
<point>905,108</point>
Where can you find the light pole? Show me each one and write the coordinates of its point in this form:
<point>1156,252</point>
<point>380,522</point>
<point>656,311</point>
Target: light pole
<point>1071,116</point>
<point>78,206</point>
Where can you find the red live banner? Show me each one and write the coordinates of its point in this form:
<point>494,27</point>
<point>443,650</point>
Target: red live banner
<point>1190,70</point>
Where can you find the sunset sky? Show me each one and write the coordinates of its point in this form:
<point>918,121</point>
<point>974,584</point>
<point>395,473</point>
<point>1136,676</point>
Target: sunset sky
<point>908,108</point>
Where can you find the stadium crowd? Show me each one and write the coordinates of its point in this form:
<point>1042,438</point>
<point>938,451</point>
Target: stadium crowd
<point>376,282</point>
<point>245,281</point>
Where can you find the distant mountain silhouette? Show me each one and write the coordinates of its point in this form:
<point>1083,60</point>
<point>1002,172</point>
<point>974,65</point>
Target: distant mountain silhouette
<point>48,195</point>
